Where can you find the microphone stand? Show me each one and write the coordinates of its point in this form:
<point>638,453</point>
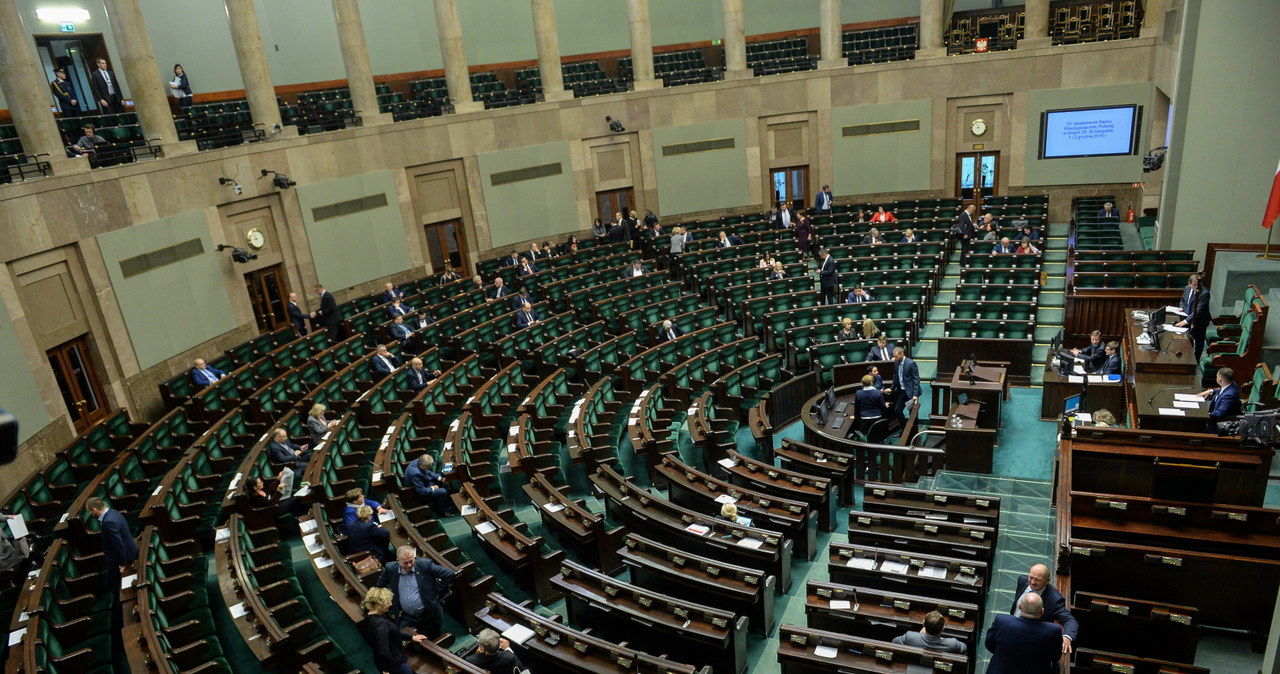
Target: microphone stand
<point>1167,388</point>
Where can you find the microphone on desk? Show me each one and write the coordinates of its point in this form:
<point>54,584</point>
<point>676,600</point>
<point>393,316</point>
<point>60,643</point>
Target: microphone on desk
<point>1167,388</point>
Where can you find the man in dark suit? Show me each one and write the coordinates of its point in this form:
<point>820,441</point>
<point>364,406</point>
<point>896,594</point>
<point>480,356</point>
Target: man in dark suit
<point>418,376</point>
<point>824,201</point>
<point>1112,364</point>
<point>449,276</point>
<point>784,217</point>
<point>296,316</point>
<point>634,270</point>
<point>828,276</point>
<point>328,315</point>
<point>906,385</point>
<point>519,299</point>
<point>537,253</point>
<point>1108,210</point>
<point>727,240</point>
<point>106,89</point>
<point>202,375</point>
<point>527,316</point>
<point>513,260</point>
<point>1095,354</point>
<point>669,331</point>
<point>429,485</point>
<point>383,362</point>
<point>65,94</point>
<point>1224,400</point>
<point>1003,248</point>
<point>1024,644</point>
<point>366,535</point>
<point>418,588</point>
<point>399,330</point>
<point>1195,306</point>
<point>882,351</point>
<point>283,450</point>
<point>618,233</point>
<point>1053,605</point>
<point>397,308</point>
<point>860,295</point>
<point>119,550</point>
<point>872,237</point>
<point>963,230</point>
<point>499,289</point>
<point>392,294</point>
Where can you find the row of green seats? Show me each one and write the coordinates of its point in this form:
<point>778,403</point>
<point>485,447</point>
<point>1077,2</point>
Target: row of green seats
<point>1000,276</point>
<point>796,341</point>
<point>1129,280</point>
<point>639,317</point>
<point>612,306</point>
<point>993,310</point>
<point>694,375</point>
<point>742,388</point>
<point>981,292</point>
<point>734,298</point>
<point>988,328</point>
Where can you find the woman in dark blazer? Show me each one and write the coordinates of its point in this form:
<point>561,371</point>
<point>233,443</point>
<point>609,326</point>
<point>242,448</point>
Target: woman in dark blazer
<point>869,405</point>
<point>383,635</point>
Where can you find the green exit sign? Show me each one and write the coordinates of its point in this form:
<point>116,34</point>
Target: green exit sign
<point>715,42</point>
<point>67,27</point>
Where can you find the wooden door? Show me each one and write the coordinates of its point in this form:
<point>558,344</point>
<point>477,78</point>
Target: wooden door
<point>447,247</point>
<point>790,185</point>
<point>615,201</point>
<point>78,382</point>
<point>977,177</point>
<point>269,295</point>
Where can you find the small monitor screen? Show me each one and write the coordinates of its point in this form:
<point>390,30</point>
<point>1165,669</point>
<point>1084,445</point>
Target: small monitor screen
<point>820,410</point>
<point>831,398</point>
<point>1089,132</point>
<point>1072,403</point>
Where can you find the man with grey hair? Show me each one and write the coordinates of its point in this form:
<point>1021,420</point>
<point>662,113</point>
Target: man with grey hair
<point>669,331</point>
<point>429,485</point>
<point>930,636</point>
<point>1023,644</point>
<point>418,588</point>
<point>493,652</point>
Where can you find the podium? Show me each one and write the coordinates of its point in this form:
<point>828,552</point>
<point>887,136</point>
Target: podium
<point>971,425</point>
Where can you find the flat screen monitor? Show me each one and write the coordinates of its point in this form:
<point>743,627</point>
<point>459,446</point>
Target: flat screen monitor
<point>820,411</point>
<point>831,398</point>
<point>1072,404</point>
<point>1056,342</point>
<point>1090,132</point>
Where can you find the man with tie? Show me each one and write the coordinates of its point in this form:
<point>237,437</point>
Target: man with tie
<point>383,362</point>
<point>1036,582</point>
<point>873,237</point>
<point>119,551</point>
<point>1108,211</point>
<point>106,89</point>
<point>400,331</point>
<point>328,314</point>
<point>527,316</point>
<point>860,295</point>
<point>727,240</point>
<point>1195,308</point>
<point>418,376</point>
<point>1111,364</point>
<point>283,450</point>
<point>297,316</point>
<point>823,204</point>
<point>1224,400</point>
<point>526,268</point>
<point>906,385</point>
<point>1095,354</point>
<point>499,291</point>
<point>202,375</point>
<point>669,331</point>
<point>882,350</point>
<point>962,230</point>
<point>1023,644</point>
<point>513,260</point>
<point>392,294</point>
<point>65,94</point>
<point>1003,248</point>
<point>785,217</point>
<point>537,253</point>
<point>397,309</point>
<point>828,276</point>
<point>634,270</point>
<point>909,236</point>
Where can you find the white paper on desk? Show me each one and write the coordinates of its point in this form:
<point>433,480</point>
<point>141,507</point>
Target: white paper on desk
<point>893,567</point>
<point>312,541</point>
<point>752,543</point>
<point>553,507</point>
<point>825,651</point>
<point>18,526</point>
<point>1186,405</point>
<point>486,528</point>
<point>1170,327</point>
<point>377,476</point>
<point>1099,378</point>
<point>239,610</point>
<point>16,636</point>
<point>1078,369</point>
<point>862,563</point>
<point>699,529</point>
<point>306,527</point>
<point>1174,310</point>
<point>728,463</point>
<point>1171,412</point>
<point>468,509</point>
<point>933,572</point>
<point>128,581</point>
<point>518,634</point>
<point>1188,397</point>
<point>512,448</point>
<point>1075,379</point>
<point>820,461</point>
<point>632,421</point>
<point>387,516</point>
<point>1083,417</point>
<point>23,616</point>
<point>725,498</point>
<point>840,603</point>
<point>323,562</point>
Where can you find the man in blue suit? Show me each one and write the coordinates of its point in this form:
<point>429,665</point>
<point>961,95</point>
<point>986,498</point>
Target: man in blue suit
<point>418,376</point>
<point>203,375</point>
<point>669,331</point>
<point>383,362</point>
<point>906,385</point>
<point>418,588</point>
<point>519,300</point>
<point>392,294</point>
<point>1053,604</point>
<point>119,550</point>
<point>1112,364</point>
<point>429,485</point>
<point>860,295</point>
<point>1224,400</point>
<point>1003,248</point>
<point>527,316</point>
<point>1108,210</point>
<point>1023,644</point>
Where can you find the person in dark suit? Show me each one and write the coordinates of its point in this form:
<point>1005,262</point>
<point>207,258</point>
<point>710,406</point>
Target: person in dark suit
<point>366,535</point>
<point>449,276</point>
<point>1195,306</point>
<point>493,653</point>
<point>418,376</point>
<point>106,89</point>
<point>499,290</point>
<point>1108,210</point>
<point>429,485</point>
<point>727,240</point>
<point>784,217</point>
<point>1112,364</point>
<point>823,203</point>
<point>1095,354</point>
<point>1024,644</point>
<point>512,260</point>
<point>909,236</point>
<point>846,333</point>
<point>527,316</point>
<point>634,270</point>
<point>296,316</point>
<point>537,253</point>
<point>65,94</point>
<point>1003,248</point>
<point>930,636</point>
<point>397,308</point>
<point>906,384</point>
<point>669,331</point>
<point>328,315</point>
<point>963,231</point>
<point>872,237</point>
<point>399,330</point>
<point>119,551</point>
<point>519,299</point>
<point>882,350</point>
<point>526,268</point>
<point>868,404</point>
<point>778,272</point>
<point>617,233</point>
<point>1027,234</point>
<point>202,375</point>
<point>1053,604</point>
<point>418,588</point>
<point>828,276</point>
<point>283,450</point>
<point>385,637</point>
<point>860,295</point>
<point>384,362</point>
<point>392,294</point>
<point>1224,400</point>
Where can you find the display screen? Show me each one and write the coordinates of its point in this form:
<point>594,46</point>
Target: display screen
<point>1089,132</point>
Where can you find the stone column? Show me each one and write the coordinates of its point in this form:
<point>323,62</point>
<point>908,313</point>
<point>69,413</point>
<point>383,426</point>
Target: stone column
<point>735,41</point>
<point>831,31</point>
<point>1036,33</point>
<point>932,29</point>
<point>149,90</point>
<point>641,45</point>
<point>454,56</point>
<point>355,60</point>
<point>27,94</point>
<point>254,70</point>
<point>548,41</point>
<point>1153,18</point>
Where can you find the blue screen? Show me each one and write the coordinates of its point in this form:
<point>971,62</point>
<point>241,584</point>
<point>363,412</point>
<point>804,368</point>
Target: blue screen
<point>1088,133</point>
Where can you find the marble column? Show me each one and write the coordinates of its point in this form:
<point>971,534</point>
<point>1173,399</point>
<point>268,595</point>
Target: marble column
<point>254,69</point>
<point>641,45</point>
<point>455,57</point>
<point>1036,33</point>
<point>548,41</point>
<point>355,60</point>
<point>735,41</point>
<point>27,94</point>
<point>148,89</point>
<point>931,30</point>
<point>831,32</point>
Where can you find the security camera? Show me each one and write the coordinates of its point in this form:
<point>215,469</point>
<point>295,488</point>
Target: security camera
<point>238,254</point>
<point>237,190</point>
<point>235,186</point>
<point>279,180</point>
<point>275,129</point>
<point>614,125</point>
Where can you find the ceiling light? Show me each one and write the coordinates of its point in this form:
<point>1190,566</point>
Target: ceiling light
<point>62,14</point>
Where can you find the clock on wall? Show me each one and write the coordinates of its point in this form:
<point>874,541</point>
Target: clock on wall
<point>978,127</point>
<point>255,238</point>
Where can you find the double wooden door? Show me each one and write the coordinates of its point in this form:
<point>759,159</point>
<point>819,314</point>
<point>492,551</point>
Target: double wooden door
<point>78,383</point>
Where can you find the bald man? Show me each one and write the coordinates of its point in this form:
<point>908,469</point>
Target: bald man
<point>1036,582</point>
<point>1023,644</point>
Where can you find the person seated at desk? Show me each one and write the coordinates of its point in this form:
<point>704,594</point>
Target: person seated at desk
<point>860,295</point>
<point>869,329</point>
<point>729,512</point>
<point>883,350</point>
<point>1093,355</point>
<point>282,499</point>
<point>282,450</point>
<point>366,535</point>
<point>872,237</point>
<point>449,276</point>
<point>397,308</point>
<point>202,375</point>
<point>355,499</point>
<point>1025,247</point>
<point>669,332</point>
<point>1224,401</point>
<point>392,294</point>
<point>909,236</point>
<point>1027,234</point>
<point>493,653</point>
<point>519,300</point>
<point>399,331</point>
<point>883,215</point>
<point>636,269</point>
<point>1003,248</point>
<point>766,261</point>
<point>846,333</point>
<point>383,362</point>
<point>779,272</point>
<point>527,317</point>
<point>930,636</point>
<point>1108,210</point>
<point>512,260</point>
<point>869,405</point>
<point>429,486</point>
<point>727,240</point>
<point>1112,364</point>
<point>526,268</point>
<point>418,376</point>
<point>499,290</point>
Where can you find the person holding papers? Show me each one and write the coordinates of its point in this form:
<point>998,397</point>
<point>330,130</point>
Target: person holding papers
<point>1224,400</point>
<point>1093,355</point>
<point>1194,309</point>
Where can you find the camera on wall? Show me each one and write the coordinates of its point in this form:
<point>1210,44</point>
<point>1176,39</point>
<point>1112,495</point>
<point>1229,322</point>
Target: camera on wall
<point>238,254</point>
<point>614,125</point>
<point>279,180</point>
<point>1154,159</point>
<point>236,189</point>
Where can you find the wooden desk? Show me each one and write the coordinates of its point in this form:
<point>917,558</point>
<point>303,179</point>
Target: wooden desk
<point>970,444</point>
<point>1175,357</point>
<point>990,387</point>
<point>1098,395</point>
<point>1149,398</point>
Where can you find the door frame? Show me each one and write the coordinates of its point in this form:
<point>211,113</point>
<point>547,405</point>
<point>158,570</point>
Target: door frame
<point>463,267</point>
<point>977,191</point>
<point>62,372</point>
<point>803,199</point>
